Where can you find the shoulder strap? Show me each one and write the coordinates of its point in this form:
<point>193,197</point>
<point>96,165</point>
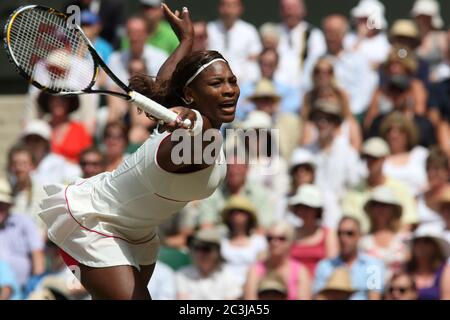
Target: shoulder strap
<point>306,35</point>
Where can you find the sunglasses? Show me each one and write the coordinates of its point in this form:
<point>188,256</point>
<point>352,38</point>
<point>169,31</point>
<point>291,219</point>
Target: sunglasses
<point>401,290</point>
<point>347,233</point>
<point>323,71</point>
<point>277,238</point>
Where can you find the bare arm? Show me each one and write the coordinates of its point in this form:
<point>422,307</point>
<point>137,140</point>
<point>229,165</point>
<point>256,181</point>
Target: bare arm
<point>182,26</point>
<point>331,244</point>
<point>372,111</point>
<point>304,285</point>
<point>420,97</point>
<point>37,262</point>
<point>251,285</point>
<point>5,293</point>
<point>445,283</point>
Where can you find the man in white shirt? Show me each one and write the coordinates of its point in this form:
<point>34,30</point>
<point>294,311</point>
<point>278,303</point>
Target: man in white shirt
<point>236,39</point>
<point>139,50</point>
<point>299,43</point>
<point>352,71</point>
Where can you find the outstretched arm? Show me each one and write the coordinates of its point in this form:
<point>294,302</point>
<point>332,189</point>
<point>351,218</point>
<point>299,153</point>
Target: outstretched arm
<point>182,26</point>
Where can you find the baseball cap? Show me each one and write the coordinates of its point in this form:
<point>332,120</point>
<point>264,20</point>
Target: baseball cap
<point>39,128</point>
<point>375,147</point>
<point>89,18</point>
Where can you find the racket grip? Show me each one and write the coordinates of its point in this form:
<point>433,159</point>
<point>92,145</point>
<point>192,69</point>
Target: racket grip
<point>154,108</point>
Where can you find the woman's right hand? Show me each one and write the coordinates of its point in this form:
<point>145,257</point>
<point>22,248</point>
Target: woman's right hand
<point>180,23</point>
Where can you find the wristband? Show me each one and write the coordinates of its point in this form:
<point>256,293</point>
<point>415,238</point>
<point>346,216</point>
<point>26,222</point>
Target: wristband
<point>198,124</point>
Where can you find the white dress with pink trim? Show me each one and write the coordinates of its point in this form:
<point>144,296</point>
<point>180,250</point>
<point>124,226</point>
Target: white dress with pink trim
<point>111,219</point>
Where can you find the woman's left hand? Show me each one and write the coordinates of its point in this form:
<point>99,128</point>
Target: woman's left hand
<point>180,23</point>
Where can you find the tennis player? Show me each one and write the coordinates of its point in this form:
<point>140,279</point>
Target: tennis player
<point>107,224</point>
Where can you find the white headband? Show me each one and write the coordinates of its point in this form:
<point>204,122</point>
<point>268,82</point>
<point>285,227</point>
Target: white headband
<point>203,67</point>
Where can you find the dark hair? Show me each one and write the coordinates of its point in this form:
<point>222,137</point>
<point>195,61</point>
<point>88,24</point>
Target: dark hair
<point>170,92</point>
<point>19,148</point>
<point>438,257</point>
<point>44,99</point>
<point>94,150</point>
<point>116,124</point>
<point>249,227</point>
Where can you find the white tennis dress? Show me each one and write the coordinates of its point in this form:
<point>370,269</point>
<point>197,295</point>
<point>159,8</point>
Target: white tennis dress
<point>111,219</point>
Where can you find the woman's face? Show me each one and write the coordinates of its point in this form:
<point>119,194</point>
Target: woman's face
<point>307,214</point>
<point>381,214</point>
<point>423,249</point>
<point>397,139</point>
<point>21,165</point>
<point>424,21</point>
<point>322,74</point>
<point>303,174</point>
<point>268,105</point>
<point>115,141</point>
<point>401,288</point>
<point>215,92</point>
<point>239,219</point>
<point>59,107</point>
<point>206,257</point>
<point>279,243</point>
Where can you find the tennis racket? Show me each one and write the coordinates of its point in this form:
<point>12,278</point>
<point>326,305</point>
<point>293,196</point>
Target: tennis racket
<point>54,55</point>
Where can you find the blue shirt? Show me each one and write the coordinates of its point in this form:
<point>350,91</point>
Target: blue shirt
<point>103,48</point>
<point>7,279</point>
<point>367,274</point>
<point>290,99</point>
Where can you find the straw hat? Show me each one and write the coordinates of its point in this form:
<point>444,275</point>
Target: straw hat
<point>208,236</point>
<point>385,195</point>
<point>265,89</point>
<point>339,280</point>
<point>5,191</point>
<point>241,203</point>
<point>375,147</point>
<point>307,195</point>
<point>429,8</point>
<point>405,28</point>
<point>328,107</point>
<point>272,283</point>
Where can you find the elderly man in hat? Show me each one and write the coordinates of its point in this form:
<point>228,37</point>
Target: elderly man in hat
<point>374,152</point>
<point>21,245</point>
<point>337,162</point>
<point>206,278</point>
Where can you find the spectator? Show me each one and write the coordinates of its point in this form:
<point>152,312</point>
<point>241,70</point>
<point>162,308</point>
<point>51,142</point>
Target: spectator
<point>302,171</point>
<point>369,40</point>
<point>438,173</point>
<point>115,139</point>
<point>429,254</point>
<point>242,247</point>
<point>325,88</point>
<point>236,39</point>
<point>111,13</point>
<point>270,36</point>
<point>442,71</point>
<point>405,34</point>
<point>401,286</point>
<point>260,143</point>
<point>92,162</point>
<point>349,67</point>
<point>300,42</point>
<point>206,278</point>
<point>427,16</point>
<point>207,212</point>
<point>375,152</point>
<point>337,162</point>
<point>400,91</point>
<point>21,246</point>
<point>272,288</point>
<point>9,288</point>
<point>406,162</point>
<point>27,193</point>
<point>294,274</point>
<point>68,137</point>
<point>367,273</point>
<point>290,97</point>
<point>313,242</point>
<point>162,285</point>
<point>153,57</point>
<point>444,212</point>
<point>338,287</point>
<point>159,32</point>
<point>385,240</point>
<point>200,35</point>
<point>50,167</point>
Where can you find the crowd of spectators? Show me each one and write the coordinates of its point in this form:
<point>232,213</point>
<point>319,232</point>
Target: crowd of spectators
<point>357,203</point>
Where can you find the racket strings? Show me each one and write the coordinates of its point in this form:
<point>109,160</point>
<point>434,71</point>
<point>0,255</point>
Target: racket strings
<point>51,52</point>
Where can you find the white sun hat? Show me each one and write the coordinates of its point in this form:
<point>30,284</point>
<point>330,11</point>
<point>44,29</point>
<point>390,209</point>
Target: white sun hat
<point>372,9</point>
<point>429,8</point>
<point>307,195</point>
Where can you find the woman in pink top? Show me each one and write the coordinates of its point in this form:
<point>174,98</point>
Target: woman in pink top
<point>280,237</point>
<point>312,242</point>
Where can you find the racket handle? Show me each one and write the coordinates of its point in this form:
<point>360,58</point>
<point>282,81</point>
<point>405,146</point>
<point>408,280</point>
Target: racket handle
<point>154,108</point>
